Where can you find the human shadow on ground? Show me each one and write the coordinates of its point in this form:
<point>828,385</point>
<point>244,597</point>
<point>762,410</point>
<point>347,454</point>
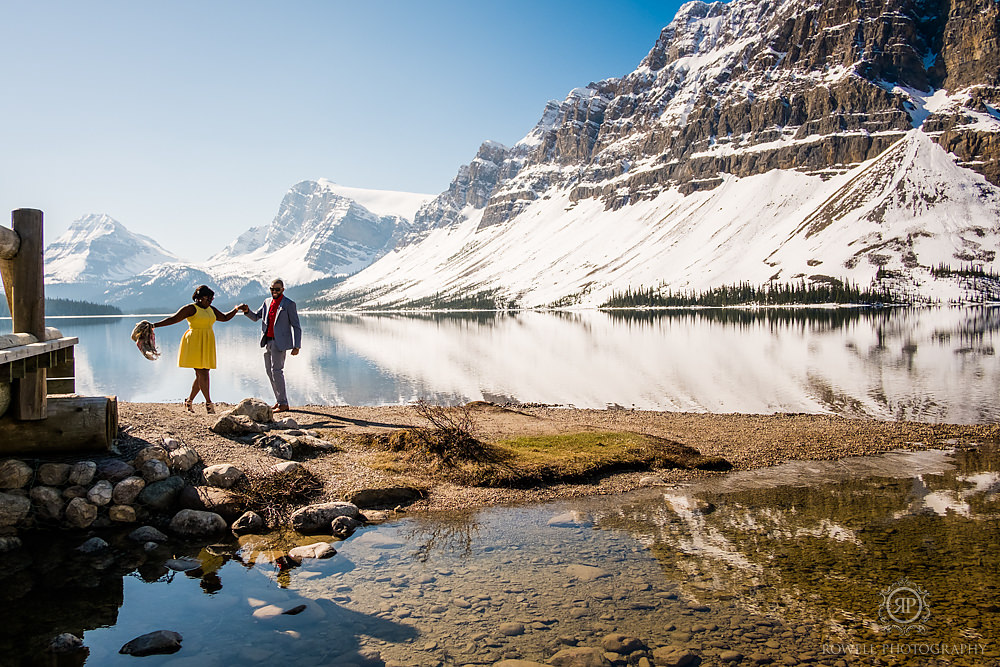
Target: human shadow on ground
<point>354,422</point>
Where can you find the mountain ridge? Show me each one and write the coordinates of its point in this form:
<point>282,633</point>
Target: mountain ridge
<point>730,92</point>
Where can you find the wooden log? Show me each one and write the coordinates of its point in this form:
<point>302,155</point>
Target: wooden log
<point>7,277</point>
<point>75,424</point>
<point>28,309</point>
<point>9,243</point>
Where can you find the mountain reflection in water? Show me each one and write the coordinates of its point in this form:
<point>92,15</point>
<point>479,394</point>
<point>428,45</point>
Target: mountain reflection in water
<point>789,564</point>
<point>924,364</point>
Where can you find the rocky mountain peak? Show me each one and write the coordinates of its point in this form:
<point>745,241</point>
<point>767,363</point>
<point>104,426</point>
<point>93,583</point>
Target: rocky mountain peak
<point>852,99</point>
<point>98,247</point>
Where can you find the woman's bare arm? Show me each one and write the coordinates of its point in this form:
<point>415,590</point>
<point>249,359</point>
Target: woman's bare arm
<point>225,317</point>
<point>181,315</point>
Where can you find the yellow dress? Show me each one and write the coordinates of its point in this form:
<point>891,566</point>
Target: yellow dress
<point>198,343</point>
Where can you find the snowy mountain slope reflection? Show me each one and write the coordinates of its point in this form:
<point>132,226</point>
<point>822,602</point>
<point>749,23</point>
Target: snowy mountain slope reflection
<point>929,364</point>
<point>814,544</point>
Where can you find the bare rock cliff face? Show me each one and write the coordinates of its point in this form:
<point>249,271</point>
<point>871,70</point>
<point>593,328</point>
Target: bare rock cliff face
<point>750,86</point>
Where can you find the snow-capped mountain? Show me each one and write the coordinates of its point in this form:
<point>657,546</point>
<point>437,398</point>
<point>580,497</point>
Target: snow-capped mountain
<point>321,230</point>
<point>99,248</point>
<point>758,140</point>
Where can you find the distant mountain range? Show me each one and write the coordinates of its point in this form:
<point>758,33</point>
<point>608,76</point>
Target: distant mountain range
<point>758,141</point>
<point>321,230</point>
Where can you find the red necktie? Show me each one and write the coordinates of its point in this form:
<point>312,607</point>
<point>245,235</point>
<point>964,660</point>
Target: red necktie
<point>272,313</point>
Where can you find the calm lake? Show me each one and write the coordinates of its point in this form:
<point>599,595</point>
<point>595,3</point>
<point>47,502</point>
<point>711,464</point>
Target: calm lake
<point>889,560</point>
<point>927,364</point>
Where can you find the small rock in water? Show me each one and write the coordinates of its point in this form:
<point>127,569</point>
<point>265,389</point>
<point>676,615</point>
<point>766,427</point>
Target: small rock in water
<point>343,526</point>
<point>153,643</point>
<point>511,629</point>
<point>183,564</point>
<point>317,550</point>
<point>147,534</point>
<point>65,643</point>
<point>573,519</point>
<point>93,545</point>
<point>248,523</point>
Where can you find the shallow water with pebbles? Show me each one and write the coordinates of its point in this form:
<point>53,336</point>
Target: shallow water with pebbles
<point>876,560</point>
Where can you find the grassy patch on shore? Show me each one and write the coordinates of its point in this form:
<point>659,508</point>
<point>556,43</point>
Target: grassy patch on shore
<point>537,460</point>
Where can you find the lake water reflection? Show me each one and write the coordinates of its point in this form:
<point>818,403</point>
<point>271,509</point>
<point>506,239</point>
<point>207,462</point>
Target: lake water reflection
<point>791,565</point>
<point>928,364</point>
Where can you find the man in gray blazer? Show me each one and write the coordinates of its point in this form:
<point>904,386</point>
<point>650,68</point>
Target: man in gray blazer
<point>281,332</point>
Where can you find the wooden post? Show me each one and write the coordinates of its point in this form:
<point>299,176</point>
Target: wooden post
<point>29,307</point>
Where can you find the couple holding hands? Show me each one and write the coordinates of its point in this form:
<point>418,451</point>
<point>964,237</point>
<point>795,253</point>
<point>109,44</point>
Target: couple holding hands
<point>280,333</point>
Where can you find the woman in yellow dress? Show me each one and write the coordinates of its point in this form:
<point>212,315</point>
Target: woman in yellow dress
<point>198,344</point>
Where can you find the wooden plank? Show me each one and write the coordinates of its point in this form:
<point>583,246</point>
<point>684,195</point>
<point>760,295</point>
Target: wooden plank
<point>59,386</point>
<point>36,349</point>
<point>30,396</point>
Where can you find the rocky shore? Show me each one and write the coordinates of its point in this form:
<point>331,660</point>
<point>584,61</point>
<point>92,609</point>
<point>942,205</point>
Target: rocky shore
<point>168,459</point>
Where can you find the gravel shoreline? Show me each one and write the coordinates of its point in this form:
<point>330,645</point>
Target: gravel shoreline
<point>747,441</point>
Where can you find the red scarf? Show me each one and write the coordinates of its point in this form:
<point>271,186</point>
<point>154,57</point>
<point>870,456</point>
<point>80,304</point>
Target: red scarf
<point>272,314</point>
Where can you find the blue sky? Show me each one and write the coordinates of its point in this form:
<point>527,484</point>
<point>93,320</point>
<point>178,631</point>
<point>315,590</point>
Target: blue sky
<point>188,121</point>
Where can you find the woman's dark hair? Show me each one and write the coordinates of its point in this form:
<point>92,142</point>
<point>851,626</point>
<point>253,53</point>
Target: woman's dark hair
<point>202,290</point>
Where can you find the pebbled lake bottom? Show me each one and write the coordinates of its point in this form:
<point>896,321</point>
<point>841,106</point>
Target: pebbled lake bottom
<point>877,560</point>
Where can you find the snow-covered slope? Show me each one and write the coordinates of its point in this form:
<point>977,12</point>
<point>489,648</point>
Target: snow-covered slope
<point>759,140</point>
<point>783,225</point>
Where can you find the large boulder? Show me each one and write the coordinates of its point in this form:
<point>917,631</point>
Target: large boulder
<point>48,501</point>
<point>13,509</point>
<point>183,458</point>
<point>317,518</point>
<point>210,499</point>
<point>387,496</point>
<point>15,474</point>
<point>82,473</point>
<point>254,408</point>
<point>80,513</point>
<point>114,470</point>
<point>101,492</point>
<point>151,453</point>
<point>127,490</point>
<point>194,523</point>
<point>222,476</point>
<point>236,425</point>
<point>162,495</point>
<point>53,474</point>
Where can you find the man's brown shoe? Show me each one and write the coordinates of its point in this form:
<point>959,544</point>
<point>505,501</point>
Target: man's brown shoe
<point>281,408</point>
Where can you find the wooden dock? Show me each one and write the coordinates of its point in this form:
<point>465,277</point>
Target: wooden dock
<point>37,365</point>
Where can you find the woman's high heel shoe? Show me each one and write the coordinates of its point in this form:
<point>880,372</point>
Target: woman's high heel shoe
<point>187,405</point>
<point>210,408</point>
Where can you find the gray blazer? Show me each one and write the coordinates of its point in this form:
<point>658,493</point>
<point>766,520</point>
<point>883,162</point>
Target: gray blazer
<point>287,332</point>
